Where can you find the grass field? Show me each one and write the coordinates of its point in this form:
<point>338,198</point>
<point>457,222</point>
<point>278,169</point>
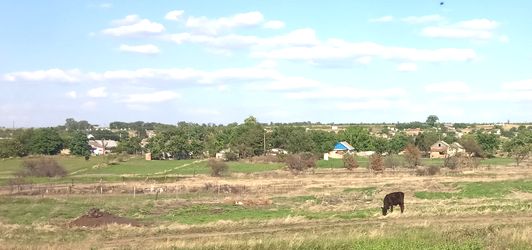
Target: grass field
<point>260,207</point>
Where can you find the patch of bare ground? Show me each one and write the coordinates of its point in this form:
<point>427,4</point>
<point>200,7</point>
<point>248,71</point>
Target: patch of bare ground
<point>96,217</point>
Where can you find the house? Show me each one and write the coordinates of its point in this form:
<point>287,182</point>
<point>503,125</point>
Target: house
<point>441,149</point>
<point>222,154</point>
<point>413,131</point>
<point>276,151</point>
<point>101,147</point>
<point>340,149</point>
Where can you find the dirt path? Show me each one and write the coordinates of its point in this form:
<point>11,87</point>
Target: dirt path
<point>478,220</point>
<point>179,167</point>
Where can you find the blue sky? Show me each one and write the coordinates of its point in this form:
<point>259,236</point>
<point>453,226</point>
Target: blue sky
<point>280,61</point>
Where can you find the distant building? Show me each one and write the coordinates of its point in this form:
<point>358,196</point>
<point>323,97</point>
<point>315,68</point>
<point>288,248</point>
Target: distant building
<point>340,149</point>
<point>101,147</point>
<point>441,149</point>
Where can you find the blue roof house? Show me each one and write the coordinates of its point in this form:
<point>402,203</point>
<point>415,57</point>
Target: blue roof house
<point>343,146</point>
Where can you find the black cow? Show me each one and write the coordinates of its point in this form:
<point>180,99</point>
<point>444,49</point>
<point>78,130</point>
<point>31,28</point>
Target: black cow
<point>393,199</point>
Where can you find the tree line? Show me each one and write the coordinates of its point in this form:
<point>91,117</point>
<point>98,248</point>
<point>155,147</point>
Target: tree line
<point>248,139</point>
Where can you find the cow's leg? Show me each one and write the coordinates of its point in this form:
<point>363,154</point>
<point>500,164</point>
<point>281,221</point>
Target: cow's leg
<point>391,208</point>
<point>402,205</point>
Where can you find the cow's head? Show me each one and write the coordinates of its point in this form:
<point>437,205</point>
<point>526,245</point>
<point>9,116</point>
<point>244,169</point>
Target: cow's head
<point>384,210</point>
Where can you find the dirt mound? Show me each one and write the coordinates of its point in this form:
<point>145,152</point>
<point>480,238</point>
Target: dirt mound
<point>96,217</point>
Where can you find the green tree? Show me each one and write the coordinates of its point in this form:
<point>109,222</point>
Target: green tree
<point>10,148</point>
<point>323,141</point>
<point>79,144</point>
<point>129,146</point>
<point>398,143</point>
<point>432,120</point>
<point>358,137</point>
<point>471,146</point>
<point>520,146</point>
<point>426,139</point>
<point>248,138</point>
<point>46,141</point>
<point>488,142</point>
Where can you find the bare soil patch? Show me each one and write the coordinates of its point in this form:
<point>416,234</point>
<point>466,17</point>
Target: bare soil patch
<point>96,217</point>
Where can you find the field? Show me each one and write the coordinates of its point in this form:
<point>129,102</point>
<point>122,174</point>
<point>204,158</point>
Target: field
<point>263,206</point>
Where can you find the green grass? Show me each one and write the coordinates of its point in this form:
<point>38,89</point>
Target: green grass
<point>198,214</point>
<point>495,189</point>
<point>339,163</point>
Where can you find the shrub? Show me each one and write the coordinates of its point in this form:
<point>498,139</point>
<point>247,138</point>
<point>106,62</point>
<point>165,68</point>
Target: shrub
<point>300,162</point>
<point>393,161</point>
<point>231,156</point>
<point>218,168</point>
<point>376,163</point>
<point>350,161</point>
<point>452,162</point>
<point>433,170</point>
<point>42,167</point>
<point>412,156</point>
<point>424,171</point>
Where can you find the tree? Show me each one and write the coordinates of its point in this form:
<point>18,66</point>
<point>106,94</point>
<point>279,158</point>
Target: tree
<point>323,141</point>
<point>248,138</point>
<point>471,146</point>
<point>520,146</point>
<point>350,161</point>
<point>358,137</point>
<point>381,145</point>
<point>79,144</point>
<point>46,141</point>
<point>412,156</point>
<point>488,142</point>
<point>398,143</point>
<point>10,148</point>
<point>432,120</point>
<point>426,139</point>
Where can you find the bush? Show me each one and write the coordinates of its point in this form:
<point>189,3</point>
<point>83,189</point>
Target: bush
<point>218,168</point>
<point>376,163</point>
<point>350,161</point>
<point>231,156</point>
<point>300,162</point>
<point>42,167</point>
<point>393,161</point>
<point>412,156</point>
<point>452,162</point>
<point>424,171</point>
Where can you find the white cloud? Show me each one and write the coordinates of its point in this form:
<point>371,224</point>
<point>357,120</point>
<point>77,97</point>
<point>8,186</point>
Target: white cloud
<point>286,83</point>
<point>154,97</point>
<point>340,50</point>
<point>72,94</point>
<point>448,87</point>
<point>366,105</point>
<point>299,37</point>
<point>51,75</point>
<point>133,25</point>
<point>422,19</point>
<point>128,20</point>
<point>364,60</point>
<point>504,39</point>
<point>174,15</point>
<point>518,85</point>
<point>106,5</point>
<point>478,29</point>
<point>450,32</point>
<point>383,19</point>
<point>89,105</point>
<point>407,67</point>
<point>274,24</point>
<point>478,24</point>
<point>97,92</point>
<point>346,93</point>
<point>215,26</point>
<point>142,49</point>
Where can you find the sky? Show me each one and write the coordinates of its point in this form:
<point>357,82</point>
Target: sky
<point>278,60</point>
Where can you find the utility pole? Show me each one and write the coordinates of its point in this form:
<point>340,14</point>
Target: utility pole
<point>264,145</point>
